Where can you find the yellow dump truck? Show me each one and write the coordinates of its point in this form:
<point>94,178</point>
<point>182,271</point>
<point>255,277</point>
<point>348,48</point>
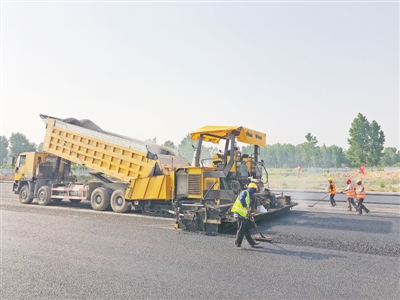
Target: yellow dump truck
<point>143,176</point>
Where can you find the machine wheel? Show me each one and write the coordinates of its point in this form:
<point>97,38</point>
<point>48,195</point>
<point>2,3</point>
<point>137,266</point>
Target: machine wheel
<point>24,195</point>
<point>43,195</point>
<point>147,207</point>
<point>118,202</point>
<point>74,201</point>
<point>100,199</point>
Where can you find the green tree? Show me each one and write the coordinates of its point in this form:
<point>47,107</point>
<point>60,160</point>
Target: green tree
<point>338,157</point>
<point>280,154</point>
<point>19,143</point>
<point>3,150</point>
<point>40,147</point>
<point>326,156</point>
<point>317,158</point>
<point>309,149</point>
<point>366,142</point>
<point>376,141</point>
<point>290,155</point>
<point>170,144</point>
<point>390,156</point>
<point>186,148</point>
<point>359,140</point>
<point>267,154</point>
<point>299,155</point>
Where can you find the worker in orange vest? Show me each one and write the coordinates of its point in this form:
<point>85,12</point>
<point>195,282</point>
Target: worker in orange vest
<point>332,191</point>
<point>360,192</point>
<point>350,195</point>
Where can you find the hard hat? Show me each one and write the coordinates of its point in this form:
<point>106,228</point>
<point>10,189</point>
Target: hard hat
<point>252,185</point>
<point>330,179</point>
<point>359,181</point>
<point>348,181</point>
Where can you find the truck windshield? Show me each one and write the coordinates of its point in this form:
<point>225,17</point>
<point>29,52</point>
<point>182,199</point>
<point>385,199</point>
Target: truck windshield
<point>21,161</point>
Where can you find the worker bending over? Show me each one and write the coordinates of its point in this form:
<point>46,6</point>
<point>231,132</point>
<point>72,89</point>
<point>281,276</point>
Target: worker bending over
<point>332,191</point>
<point>241,210</point>
<point>350,194</point>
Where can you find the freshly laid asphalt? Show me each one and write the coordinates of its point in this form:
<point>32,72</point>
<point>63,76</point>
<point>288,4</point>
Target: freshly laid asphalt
<point>371,197</point>
<point>72,252</point>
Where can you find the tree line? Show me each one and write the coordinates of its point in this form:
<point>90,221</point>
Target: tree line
<point>366,141</point>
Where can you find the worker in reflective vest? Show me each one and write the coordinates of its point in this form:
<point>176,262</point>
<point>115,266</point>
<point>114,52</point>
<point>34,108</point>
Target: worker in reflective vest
<point>361,197</point>
<point>332,191</point>
<point>350,194</point>
<point>241,210</point>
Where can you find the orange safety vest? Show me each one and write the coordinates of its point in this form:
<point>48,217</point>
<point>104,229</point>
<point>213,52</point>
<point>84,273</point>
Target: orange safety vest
<point>361,195</point>
<point>333,190</point>
<point>351,193</point>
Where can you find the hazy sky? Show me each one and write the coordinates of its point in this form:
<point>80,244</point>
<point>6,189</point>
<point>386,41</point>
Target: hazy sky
<point>165,69</point>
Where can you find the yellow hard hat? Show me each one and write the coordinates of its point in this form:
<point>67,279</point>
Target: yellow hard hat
<point>252,185</point>
<point>330,179</point>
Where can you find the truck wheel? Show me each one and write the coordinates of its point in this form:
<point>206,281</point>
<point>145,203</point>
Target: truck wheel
<point>75,201</point>
<point>100,199</point>
<point>43,195</point>
<point>118,202</point>
<point>24,195</point>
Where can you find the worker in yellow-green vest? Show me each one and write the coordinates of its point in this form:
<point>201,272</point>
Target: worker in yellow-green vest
<point>241,210</point>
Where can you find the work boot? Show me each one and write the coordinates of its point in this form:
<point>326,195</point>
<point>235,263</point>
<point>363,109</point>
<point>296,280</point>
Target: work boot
<point>238,247</point>
<point>367,211</point>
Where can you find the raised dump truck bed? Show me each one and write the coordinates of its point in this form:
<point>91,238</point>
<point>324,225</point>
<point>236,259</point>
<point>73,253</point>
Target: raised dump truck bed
<point>120,157</point>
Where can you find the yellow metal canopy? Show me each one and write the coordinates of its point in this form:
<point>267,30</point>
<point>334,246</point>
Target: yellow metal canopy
<point>214,134</point>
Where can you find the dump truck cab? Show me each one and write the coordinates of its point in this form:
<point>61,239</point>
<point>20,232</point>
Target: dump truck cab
<point>35,169</point>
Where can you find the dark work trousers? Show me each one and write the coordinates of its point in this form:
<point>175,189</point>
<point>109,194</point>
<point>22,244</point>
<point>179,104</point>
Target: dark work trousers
<point>361,207</point>
<point>351,202</point>
<point>243,230</point>
<point>332,198</point>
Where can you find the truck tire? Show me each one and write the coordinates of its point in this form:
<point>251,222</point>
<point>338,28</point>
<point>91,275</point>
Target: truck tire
<point>100,199</point>
<point>43,195</point>
<point>118,202</point>
<point>24,195</point>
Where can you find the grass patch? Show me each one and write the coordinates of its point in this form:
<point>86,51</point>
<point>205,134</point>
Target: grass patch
<point>377,181</point>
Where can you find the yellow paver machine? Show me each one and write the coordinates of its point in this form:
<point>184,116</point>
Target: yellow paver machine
<point>146,177</point>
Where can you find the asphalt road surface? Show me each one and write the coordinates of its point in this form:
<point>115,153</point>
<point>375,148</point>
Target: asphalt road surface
<point>371,197</point>
<point>72,252</point>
